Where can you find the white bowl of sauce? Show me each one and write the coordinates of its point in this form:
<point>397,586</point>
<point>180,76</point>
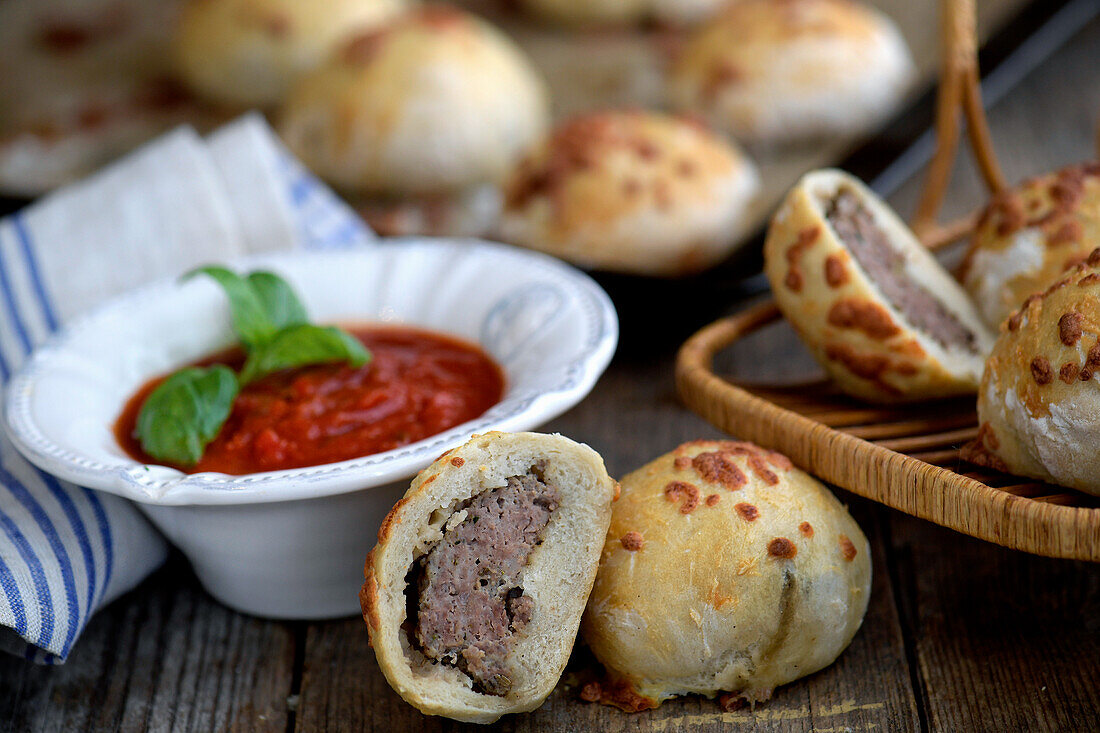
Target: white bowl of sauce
<point>273,528</point>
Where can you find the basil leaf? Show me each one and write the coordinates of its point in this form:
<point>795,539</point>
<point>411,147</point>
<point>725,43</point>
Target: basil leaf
<point>250,318</point>
<point>278,299</point>
<point>185,412</point>
<point>300,345</point>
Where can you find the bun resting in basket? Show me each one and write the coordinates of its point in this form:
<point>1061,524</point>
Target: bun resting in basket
<point>726,570</point>
<point>636,192</point>
<point>878,312</point>
<point>603,13</point>
<point>1028,236</point>
<point>475,590</point>
<point>772,71</point>
<point>430,104</point>
<point>249,52</point>
<point>1039,403</point>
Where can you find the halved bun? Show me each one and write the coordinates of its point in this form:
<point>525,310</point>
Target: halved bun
<point>883,317</point>
<point>557,577</point>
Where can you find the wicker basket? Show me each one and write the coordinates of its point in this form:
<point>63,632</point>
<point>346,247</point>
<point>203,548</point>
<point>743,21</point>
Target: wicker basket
<point>906,457</point>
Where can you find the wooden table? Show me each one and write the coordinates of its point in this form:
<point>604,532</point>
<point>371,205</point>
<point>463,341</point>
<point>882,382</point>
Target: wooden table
<point>960,635</point>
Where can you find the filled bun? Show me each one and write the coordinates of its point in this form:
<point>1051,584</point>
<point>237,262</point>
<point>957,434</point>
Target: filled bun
<point>493,551</point>
<point>781,71</point>
<point>248,52</point>
<point>726,570</point>
<point>636,192</point>
<point>1028,236</point>
<point>435,101</point>
<point>1039,403</point>
<point>600,13</point>
<point>876,309</point>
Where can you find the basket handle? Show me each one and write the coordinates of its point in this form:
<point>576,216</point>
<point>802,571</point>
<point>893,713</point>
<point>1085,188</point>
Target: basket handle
<point>960,87</point>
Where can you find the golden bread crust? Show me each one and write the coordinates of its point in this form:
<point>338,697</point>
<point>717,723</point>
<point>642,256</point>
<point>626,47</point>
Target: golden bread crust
<point>861,340</point>
<point>1039,402</point>
<point>742,593</point>
<point>1029,235</point>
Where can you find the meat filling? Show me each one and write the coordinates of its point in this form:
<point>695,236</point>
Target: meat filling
<point>471,601</point>
<point>855,225</point>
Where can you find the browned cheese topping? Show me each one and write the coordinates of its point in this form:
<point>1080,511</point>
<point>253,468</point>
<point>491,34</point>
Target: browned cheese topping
<point>835,272</point>
<point>783,548</point>
<point>806,239</point>
<point>854,224</point>
<point>677,490</point>
<point>847,549</point>
<point>1041,370</point>
<point>1069,371</point>
<point>471,600</point>
<point>718,469</point>
<point>748,512</point>
<point>1069,328</point>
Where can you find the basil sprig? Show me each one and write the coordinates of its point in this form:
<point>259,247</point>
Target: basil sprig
<point>187,410</point>
<point>302,344</point>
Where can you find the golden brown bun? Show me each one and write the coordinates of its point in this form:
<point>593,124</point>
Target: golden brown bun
<point>636,192</point>
<point>602,13</point>
<point>779,71</point>
<point>248,52</point>
<point>725,570</point>
<point>1029,235</point>
<point>869,348</point>
<point>1039,403</point>
<point>435,101</point>
<point>558,575</point>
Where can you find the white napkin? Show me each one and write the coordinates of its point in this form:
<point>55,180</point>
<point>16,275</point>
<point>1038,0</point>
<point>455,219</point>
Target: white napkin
<point>178,202</point>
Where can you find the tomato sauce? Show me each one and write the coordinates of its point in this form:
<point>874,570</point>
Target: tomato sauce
<point>417,384</point>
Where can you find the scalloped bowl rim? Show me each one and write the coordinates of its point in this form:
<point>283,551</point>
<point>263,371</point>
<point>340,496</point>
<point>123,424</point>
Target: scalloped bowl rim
<point>161,485</point>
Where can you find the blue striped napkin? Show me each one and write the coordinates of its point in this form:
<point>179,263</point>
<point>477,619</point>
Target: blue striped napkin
<point>65,550</point>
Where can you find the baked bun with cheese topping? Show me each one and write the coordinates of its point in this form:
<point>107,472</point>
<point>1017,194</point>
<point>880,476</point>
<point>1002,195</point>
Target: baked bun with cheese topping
<point>476,587</point>
<point>637,192</point>
<point>1039,403</point>
<point>726,570</point>
<point>773,71</point>
<point>436,101</point>
<point>1028,236</point>
<point>876,309</point>
<point>603,13</point>
<point>248,52</point>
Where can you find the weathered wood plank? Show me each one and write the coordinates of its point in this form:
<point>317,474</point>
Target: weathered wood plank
<point>165,658</point>
<point>1003,640</point>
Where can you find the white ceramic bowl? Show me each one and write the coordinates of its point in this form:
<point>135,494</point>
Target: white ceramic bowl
<point>291,544</point>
